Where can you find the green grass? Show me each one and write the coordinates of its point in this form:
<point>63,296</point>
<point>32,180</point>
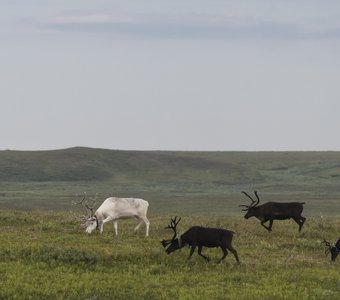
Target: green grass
<point>204,199</point>
<point>45,255</point>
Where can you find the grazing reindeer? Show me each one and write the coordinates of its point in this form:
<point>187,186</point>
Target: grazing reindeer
<point>114,209</point>
<point>271,211</point>
<point>200,237</point>
<point>334,250</point>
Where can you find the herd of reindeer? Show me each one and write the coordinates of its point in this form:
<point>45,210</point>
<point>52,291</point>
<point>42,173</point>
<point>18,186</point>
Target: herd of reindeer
<point>113,209</point>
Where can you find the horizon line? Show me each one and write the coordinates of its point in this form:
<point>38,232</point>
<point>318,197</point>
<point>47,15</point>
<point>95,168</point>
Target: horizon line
<point>167,150</point>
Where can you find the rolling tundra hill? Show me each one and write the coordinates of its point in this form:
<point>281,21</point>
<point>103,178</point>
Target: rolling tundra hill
<point>86,164</point>
<point>48,179</point>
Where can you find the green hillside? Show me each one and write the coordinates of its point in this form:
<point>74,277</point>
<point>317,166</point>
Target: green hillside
<point>85,164</point>
<point>168,179</point>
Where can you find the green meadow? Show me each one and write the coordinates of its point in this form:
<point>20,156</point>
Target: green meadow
<point>45,255</point>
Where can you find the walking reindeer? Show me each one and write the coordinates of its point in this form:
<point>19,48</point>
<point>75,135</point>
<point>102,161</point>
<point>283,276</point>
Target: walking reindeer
<point>271,211</point>
<point>334,250</point>
<point>200,237</point>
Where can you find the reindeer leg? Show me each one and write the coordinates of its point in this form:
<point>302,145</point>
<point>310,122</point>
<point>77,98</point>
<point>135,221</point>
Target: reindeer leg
<point>233,251</point>
<point>299,222</point>
<point>270,224</point>
<point>200,253</point>
<point>115,225</point>
<point>138,225</point>
<point>101,227</point>
<point>108,219</point>
<point>147,225</point>
<point>225,253</point>
<point>192,250</point>
<point>302,219</point>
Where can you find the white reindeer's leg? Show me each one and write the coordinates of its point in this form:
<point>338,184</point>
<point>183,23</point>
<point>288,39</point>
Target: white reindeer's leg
<point>108,219</point>
<point>115,225</point>
<point>147,224</point>
<point>101,227</point>
<point>138,225</point>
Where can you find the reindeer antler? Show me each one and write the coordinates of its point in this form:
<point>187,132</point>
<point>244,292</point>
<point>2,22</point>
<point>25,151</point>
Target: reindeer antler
<point>173,224</point>
<point>333,249</point>
<point>328,246</point>
<point>258,199</point>
<point>89,207</point>
<point>253,202</point>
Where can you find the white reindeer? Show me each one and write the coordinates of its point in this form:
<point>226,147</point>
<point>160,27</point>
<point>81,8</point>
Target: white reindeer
<point>113,209</point>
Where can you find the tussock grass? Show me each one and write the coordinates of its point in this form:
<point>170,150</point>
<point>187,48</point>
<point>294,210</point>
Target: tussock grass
<point>45,255</point>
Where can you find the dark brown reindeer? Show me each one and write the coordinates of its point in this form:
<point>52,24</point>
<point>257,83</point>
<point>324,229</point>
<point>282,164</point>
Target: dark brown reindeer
<point>200,237</point>
<point>334,250</point>
<point>271,211</point>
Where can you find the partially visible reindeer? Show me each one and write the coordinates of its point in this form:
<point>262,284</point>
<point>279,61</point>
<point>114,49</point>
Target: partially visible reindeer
<point>113,209</point>
<point>200,237</point>
<point>334,250</point>
<point>271,211</point>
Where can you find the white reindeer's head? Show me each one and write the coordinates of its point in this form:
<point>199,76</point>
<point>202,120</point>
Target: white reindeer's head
<point>90,224</point>
<point>91,221</point>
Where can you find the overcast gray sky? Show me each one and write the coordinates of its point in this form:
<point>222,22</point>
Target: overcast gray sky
<point>170,75</point>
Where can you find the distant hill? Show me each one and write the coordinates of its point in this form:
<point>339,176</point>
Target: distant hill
<point>169,178</point>
<point>79,164</point>
<point>87,164</point>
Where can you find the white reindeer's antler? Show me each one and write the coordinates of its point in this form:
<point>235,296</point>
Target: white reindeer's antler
<point>89,207</point>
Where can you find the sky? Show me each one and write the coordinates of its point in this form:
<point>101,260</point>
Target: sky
<point>208,75</point>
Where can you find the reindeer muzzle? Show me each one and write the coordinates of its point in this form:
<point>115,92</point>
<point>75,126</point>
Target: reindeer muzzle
<point>83,226</point>
<point>165,243</point>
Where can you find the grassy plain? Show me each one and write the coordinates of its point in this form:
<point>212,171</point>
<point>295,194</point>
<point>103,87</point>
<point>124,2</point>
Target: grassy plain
<point>44,255</point>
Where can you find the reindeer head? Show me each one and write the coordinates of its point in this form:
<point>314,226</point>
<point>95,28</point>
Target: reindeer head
<point>334,250</point>
<point>90,224</point>
<point>251,209</point>
<point>175,243</point>
<point>91,221</point>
